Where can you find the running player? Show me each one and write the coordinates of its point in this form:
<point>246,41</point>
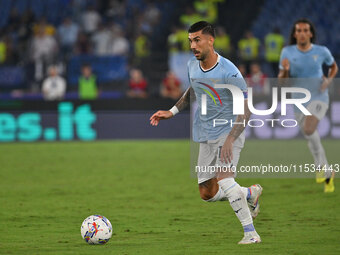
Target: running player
<point>220,145</point>
<point>304,59</point>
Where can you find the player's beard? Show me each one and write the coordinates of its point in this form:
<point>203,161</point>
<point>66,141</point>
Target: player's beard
<point>304,44</point>
<point>203,56</point>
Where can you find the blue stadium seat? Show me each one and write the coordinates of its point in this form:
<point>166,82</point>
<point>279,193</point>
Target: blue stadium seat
<point>4,11</point>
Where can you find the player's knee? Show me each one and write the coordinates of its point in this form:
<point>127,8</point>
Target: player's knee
<point>208,189</point>
<point>206,195</point>
<point>308,130</point>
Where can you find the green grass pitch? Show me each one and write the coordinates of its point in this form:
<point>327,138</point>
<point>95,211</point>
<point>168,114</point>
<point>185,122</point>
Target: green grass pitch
<point>144,188</point>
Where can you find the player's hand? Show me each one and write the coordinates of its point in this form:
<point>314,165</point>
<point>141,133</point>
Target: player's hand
<point>325,84</point>
<point>285,64</point>
<point>160,115</point>
<point>227,150</point>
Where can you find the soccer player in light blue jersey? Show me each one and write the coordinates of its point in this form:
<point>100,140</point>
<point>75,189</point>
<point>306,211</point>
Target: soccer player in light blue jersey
<point>304,59</point>
<point>220,146</point>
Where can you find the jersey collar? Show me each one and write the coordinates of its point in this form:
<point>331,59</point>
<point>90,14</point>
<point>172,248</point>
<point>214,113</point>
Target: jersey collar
<point>310,49</point>
<point>211,68</point>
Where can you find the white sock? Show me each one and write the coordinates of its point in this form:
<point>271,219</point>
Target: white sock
<point>317,150</point>
<point>237,200</point>
<point>219,196</point>
<point>245,192</point>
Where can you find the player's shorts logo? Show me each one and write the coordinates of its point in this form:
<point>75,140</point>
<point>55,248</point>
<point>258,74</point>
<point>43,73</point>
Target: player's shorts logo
<point>318,108</point>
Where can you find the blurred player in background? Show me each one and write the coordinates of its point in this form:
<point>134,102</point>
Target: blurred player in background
<point>219,146</point>
<point>54,86</point>
<point>304,59</point>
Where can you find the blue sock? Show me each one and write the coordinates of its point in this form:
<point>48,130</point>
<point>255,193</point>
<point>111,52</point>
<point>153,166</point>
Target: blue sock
<point>248,228</point>
<point>248,195</point>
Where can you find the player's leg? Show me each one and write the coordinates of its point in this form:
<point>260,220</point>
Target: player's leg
<point>238,202</point>
<point>211,190</point>
<point>310,124</point>
<point>208,187</point>
<point>314,142</point>
<point>309,127</point>
<point>237,195</point>
<point>253,192</point>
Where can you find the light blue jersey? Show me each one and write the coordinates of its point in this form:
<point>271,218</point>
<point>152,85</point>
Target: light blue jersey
<point>219,100</point>
<point>308,65</point>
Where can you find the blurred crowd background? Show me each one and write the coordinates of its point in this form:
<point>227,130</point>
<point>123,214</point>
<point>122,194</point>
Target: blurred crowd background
<point>90,49</point>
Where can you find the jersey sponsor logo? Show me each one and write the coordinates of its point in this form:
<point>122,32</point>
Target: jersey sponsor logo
<point>315,57</point>
<point>214,80</point>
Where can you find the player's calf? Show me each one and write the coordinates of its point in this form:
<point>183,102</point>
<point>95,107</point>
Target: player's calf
<point>210,191</point>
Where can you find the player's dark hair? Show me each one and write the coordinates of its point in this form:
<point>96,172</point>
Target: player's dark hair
<point>206,28</point>
<point>311,26</point>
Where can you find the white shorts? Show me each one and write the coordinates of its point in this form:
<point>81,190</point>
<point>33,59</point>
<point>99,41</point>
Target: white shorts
<point>317,108</point>
<point>209,158</point>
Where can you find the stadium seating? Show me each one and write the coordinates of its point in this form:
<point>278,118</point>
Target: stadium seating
<point>260,16</point>
<point>281,14</point>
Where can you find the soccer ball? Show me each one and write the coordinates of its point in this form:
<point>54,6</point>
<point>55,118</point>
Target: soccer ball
<point>96,229</point>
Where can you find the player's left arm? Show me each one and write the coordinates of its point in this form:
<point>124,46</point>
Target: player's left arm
<point>227,148</point>
<point>332,71</point>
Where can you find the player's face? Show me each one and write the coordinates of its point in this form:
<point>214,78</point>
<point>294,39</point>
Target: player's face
<point>303,34</point>
<point>200,44</point>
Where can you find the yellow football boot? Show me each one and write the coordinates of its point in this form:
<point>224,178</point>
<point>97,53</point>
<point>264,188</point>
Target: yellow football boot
<point>320,176</point>
<point>329,187</point>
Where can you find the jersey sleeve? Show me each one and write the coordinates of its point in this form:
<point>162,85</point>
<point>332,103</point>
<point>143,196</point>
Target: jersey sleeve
<point>235,77</point>
<point>328,58</point>
<point>284,54</point>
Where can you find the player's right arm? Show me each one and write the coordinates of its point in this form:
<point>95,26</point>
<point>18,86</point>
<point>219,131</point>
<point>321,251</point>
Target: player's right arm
<point>284,64</point>
<point>284,72</point>
<point>181,104</point>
